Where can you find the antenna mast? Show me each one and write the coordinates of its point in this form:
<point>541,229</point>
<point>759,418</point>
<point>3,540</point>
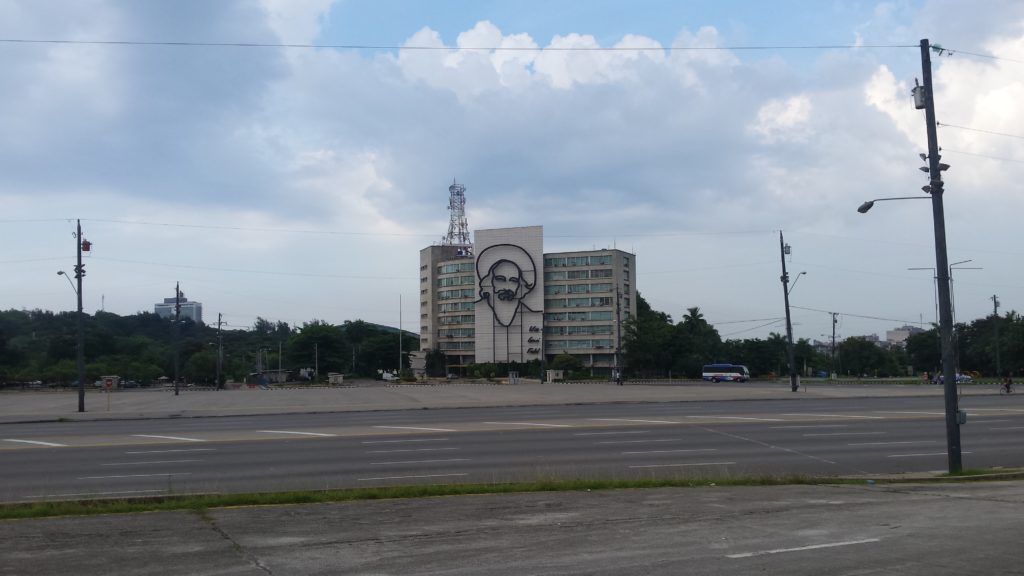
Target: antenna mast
<point>458,227</point>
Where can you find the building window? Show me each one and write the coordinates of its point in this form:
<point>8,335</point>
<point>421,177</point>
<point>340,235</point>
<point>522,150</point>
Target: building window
<point>549,276</point>
<point>554,288</point>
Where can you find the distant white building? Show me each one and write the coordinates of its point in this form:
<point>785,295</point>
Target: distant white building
<point>189,308</point>
<point>898,336</point>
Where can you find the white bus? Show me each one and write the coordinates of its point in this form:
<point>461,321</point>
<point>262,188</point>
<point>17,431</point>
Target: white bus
<point>726,373</point>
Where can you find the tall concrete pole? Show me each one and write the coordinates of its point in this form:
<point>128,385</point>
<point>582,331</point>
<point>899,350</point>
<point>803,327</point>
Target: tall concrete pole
<point>80,348</point>
<point>793,384</point>
<point>941,269</point>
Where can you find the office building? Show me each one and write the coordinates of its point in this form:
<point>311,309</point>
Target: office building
<point>502,299</point>
<point>189,309</point>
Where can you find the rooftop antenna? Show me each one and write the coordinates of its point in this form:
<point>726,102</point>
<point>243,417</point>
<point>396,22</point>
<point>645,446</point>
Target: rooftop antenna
<point>458,227</point>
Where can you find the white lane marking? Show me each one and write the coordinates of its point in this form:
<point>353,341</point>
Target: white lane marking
<point>891,443</point>
<point>639,441</point>
<point>803,548</point>
<point>530,424</point>
<point>420,461</point>
<point>1007,428</point>
<point>812,426</point>
<point>133,476</point>
<point>741,418</point>
<point>912,455</point>
<point>295,433</point>
<point>981,416</point>
<point>615,433</point>
<point>169,437</point>
<point>846,434</point>
<point>996,410</point>
<point>680,465</point>
<point>404,477</point>
<point>417,428</point>
<point>409,450</point>
<point>839,416</point>
<point>170,451</point>
<point>405,441</point>
<point>632,420</point>
<point>150,462</point>
<point>35,442</point>
<point>766,445</point>
<point>908,412</point>
<point>94,493</point>
<point>672,451</point>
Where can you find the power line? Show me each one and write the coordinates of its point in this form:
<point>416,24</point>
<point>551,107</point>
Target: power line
<point>983,155</point>
<point>941,125</point>
<point>858,315</point>
<point>776,321</point>
<point>451,48</point>
<point>976,54</point>
<point>747,321</point>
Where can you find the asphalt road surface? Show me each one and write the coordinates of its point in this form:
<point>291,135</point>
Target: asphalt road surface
<point>842,437</point>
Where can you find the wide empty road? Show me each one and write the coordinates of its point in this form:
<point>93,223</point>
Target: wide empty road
<point>65,460</point>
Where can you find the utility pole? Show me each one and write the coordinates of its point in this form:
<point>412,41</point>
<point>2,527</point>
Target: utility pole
<point>399,374</point>
<point>995,327</point>
<point>79,327</point>
<point>942,271</point>
<point>220,353</point>
<point>177,329</point>
<point>793,383</point>
<point>316,362</point>
<point>833,369</point>
<point>618,334</point>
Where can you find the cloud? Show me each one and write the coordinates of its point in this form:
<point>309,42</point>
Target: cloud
<point>691,154</point>
<point>780,120</point>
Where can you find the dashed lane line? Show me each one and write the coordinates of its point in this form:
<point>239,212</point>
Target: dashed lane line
<point>670,451</point>
<point>150,462</point>
<point>538,424</point>
<point>180,438</point>
<point>802,548</point>
<point>737,418</point>
<point>845,434</point>
<point>171,451</point>
<point>405,477</point>
<point>903,442</point>
<point>410,450</point>
<point>133,476</point>
<point>318,434</point>
<point>420,461</point>
<point>405,441</point>
<point>810,426</point>
<point>417,428</point>
<point>35,442</point>
<point>613,433</point>
<point>644,441</point>
<point>839,416</point>
<point>915,455</point>
<point>683,465</point>
<point>634,420</point>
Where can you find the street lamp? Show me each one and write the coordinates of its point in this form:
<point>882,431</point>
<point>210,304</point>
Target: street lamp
<point>870,203</point>
<point>80,245</point>
<point>924,99</point>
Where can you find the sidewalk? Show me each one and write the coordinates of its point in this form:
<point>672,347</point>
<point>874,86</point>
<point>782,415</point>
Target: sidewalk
<point>32,406</point>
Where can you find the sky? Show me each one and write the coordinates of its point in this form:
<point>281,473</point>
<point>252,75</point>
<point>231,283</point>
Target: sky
<point>299,183</point>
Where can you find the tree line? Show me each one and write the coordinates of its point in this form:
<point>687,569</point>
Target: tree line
<point>40,345</point>
<point>656,347</point>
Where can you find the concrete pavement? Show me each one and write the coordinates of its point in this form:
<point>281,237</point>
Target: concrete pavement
<point>793,530</point>
<point>29,406</point>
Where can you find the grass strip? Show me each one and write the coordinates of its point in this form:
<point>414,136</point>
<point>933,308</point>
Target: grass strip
<point>199,502</point>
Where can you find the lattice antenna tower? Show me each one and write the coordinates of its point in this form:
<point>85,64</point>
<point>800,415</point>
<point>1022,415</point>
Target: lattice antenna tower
<point>458,227</point>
